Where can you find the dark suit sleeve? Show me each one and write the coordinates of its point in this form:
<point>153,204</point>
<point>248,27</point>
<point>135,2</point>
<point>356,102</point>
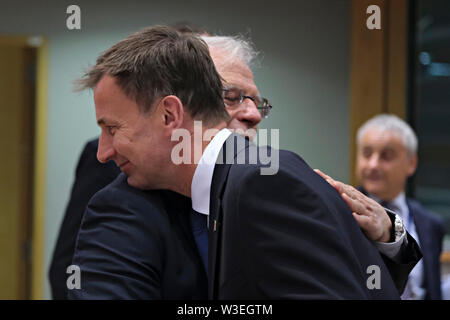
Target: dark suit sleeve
<point>90,177</point>
<point>290,242</point>
<point>119,248</point>
<point>409,256</point>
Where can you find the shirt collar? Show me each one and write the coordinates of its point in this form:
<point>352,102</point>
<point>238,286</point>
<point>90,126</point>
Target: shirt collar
<point>201,182</point>
<point>399,200</point>
<point>400,203</point>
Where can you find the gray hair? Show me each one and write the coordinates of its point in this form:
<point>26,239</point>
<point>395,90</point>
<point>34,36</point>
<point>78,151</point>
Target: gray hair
<point>234,48</point>
<point>393,124</point>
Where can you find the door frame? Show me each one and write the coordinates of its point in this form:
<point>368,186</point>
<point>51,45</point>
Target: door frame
<point>40,152</point>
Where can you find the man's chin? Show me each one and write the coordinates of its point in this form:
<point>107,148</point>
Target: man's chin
<point>139,183</point>
<point>132,181</point>
<point>373,188</point>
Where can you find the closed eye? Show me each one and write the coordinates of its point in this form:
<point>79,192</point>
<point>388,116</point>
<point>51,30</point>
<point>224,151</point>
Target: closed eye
<point>111,130</point>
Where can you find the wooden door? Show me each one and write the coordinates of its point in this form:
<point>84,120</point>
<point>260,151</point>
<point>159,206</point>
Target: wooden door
<point>17,109</point>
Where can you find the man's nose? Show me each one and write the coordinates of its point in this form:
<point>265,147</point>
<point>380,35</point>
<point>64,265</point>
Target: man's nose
<point>374,161</point>
<point>250,113</point>
<point>105,151</point>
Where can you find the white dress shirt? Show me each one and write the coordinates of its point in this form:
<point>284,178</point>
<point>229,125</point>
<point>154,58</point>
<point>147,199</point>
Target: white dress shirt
<point>201,182</point>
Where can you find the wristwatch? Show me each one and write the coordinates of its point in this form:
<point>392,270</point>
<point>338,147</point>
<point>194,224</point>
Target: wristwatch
<point>397,225</point>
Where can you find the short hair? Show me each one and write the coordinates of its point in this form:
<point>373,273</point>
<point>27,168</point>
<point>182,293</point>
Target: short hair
<point>234,48</point>
<point>159,61</point>
<point>393,124</point>
<point>188,27</point>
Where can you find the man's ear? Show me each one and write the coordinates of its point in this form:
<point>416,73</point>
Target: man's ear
<point>412,165</point>
<point>172,111</point>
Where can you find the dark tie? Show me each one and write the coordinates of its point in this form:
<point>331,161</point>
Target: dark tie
<point>200,232</point>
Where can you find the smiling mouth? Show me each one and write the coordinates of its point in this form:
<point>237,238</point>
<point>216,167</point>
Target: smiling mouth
<point>123,164</point>
<point>374,178</point>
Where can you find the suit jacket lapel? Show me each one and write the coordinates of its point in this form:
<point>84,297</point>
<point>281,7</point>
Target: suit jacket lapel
<point>422,227</point>
<point>218,183</point>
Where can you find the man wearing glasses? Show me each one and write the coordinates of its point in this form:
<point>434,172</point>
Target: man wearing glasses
<point>240,97</point>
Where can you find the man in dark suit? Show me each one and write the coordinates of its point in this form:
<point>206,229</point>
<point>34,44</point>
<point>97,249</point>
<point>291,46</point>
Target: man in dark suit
<point>386,157</point>
<point>136,244</point>
<point>142,109</point>
<point>287,235</point>
<point>132,243</point>
<point>90,177</point>
<point>240,117</point>
<point>240,101</point>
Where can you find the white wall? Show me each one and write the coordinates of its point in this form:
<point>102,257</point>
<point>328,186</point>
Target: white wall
<point>304,72</point>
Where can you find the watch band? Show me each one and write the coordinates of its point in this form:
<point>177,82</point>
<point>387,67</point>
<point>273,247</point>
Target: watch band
<point>397,225</point>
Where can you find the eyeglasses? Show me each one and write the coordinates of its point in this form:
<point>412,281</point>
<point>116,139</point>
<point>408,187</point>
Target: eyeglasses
<point>235,96</point>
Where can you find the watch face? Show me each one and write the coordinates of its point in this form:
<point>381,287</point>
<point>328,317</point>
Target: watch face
<point>399,229</point>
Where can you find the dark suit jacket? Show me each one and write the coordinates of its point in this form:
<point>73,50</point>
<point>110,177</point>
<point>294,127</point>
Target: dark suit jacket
<point>90,176</point>
<point>134,244</point>
<point>431,230</point>
<point>286,236</point>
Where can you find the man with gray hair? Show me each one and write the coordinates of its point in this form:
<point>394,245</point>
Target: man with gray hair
<point>246,109</point>
<point>386,158</point>
<point>136,131</point>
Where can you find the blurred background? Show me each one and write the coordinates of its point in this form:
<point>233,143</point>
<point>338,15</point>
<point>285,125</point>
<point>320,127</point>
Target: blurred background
<point>323,70</point>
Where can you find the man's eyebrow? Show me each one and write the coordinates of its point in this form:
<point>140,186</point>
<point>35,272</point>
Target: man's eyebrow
<point>389,148</point>
<point>105,121</point>
<point>101,121</point>
<point>231,87</point>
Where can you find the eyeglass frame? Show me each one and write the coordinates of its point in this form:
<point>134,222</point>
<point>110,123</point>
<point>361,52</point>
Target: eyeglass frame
<point>262,106</point>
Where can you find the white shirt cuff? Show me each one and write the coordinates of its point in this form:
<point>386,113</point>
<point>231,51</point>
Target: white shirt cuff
<point>392,250</point>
